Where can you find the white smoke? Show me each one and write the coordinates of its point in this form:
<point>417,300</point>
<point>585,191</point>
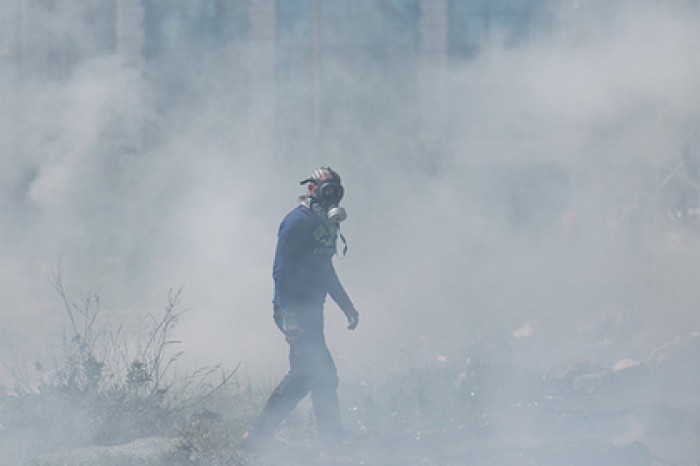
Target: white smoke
<point>540,210</point>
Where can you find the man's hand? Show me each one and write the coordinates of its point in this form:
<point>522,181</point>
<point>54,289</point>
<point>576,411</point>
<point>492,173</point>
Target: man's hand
<point>353,318</point>
<point>287,322</point>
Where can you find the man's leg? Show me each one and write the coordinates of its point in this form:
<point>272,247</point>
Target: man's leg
<point>288,393</point>
<point>324,396</point>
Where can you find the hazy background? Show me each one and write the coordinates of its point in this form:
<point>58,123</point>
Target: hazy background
<point>512,195</point>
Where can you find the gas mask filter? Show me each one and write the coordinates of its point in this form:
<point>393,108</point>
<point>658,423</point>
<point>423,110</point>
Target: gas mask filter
<point>336,214</point>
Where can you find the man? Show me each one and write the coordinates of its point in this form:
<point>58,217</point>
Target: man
<point>303,276</point>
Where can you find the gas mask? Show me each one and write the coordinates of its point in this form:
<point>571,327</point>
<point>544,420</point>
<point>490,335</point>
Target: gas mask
<point>328,194</point>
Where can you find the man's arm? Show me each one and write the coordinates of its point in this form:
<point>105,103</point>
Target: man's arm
<point>340,296</point>
<point>286,258</point>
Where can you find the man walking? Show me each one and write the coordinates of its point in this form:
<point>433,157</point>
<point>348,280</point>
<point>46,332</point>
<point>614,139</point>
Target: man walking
<point>304,275</point>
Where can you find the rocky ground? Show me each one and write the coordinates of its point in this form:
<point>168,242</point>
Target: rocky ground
<point>636,413</point>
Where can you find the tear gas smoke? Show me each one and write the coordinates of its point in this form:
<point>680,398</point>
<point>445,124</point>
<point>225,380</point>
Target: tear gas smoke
<point>533,228</point>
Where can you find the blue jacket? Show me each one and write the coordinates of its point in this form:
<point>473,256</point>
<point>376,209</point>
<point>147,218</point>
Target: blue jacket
<point>303,270</point>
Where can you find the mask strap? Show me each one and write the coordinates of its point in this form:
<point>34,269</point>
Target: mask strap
<point>345,243</point>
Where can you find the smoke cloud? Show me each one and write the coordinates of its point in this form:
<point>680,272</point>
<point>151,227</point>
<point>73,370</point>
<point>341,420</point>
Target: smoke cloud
<point>534,224</point>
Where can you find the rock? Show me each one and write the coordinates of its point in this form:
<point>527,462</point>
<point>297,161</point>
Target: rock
<point>141,451</point>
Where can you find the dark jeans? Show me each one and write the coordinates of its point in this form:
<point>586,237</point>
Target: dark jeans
<point>311,369</point>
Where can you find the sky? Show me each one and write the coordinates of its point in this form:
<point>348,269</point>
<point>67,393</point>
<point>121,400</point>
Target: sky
<point>533,227</point>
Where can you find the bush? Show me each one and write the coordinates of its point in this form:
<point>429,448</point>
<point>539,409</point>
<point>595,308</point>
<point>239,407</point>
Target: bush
<point>105,389</point>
